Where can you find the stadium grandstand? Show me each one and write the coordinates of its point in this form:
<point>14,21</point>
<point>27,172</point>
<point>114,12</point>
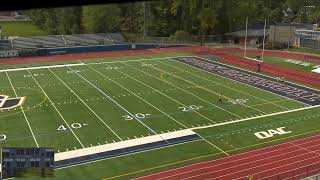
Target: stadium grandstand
<point>55,41</point>
<point>308,38</point>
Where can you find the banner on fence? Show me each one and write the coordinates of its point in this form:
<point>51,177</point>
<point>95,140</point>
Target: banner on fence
<point>9,53</point>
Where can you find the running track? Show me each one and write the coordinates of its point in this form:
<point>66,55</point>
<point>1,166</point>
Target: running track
<point>274,162</point>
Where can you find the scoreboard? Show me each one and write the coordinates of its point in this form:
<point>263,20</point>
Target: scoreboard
<point>26,162</point>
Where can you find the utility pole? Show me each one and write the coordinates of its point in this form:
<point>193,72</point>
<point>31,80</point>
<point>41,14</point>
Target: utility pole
<point>145,21</point>
<point>264,38</point>
<point>245,39</point>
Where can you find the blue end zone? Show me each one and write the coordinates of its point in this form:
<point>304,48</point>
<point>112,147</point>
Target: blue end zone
<point>126,151</point>
<point>290,90</point>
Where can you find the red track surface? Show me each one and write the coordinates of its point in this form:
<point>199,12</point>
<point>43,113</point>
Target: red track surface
<point>281,161</point>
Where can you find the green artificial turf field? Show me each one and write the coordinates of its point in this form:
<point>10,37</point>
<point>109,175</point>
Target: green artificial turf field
<point>115,99</point>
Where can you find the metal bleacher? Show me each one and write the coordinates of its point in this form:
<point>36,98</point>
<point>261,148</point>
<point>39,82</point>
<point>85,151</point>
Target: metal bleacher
<point>54,41</point>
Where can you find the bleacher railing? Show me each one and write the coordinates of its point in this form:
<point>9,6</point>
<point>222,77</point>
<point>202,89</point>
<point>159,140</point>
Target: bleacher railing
<point>197,40</point>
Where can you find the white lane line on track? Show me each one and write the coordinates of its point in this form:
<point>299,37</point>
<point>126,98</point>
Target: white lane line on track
<point>239,165</point>
<point>254,152</point>
<point>277,161</point>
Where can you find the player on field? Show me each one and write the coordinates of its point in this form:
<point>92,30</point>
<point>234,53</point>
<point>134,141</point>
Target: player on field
<point>282,80</point>
<point>220,98</point>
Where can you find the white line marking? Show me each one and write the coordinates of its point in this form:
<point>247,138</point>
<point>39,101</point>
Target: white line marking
<point>56,110</point>
<point>258,74</point>
<point>257,117</point>
<point>211,91</point>
<point>115,102</point>
<point>86,106</point>
<point>245,157</point>
<point>184,90</point>
<point>219,83</point>
<point>165,94</point>
<point>138,96</point>
<point>41,67</point>
<point>295,162</point>
<point>24,114</point>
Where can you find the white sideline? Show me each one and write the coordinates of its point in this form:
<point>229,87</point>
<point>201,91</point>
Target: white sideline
<point>256,117</point>
<point>121,144</point>
<point>220,83</point>
<point>22,110</point>
<point>41,67</point>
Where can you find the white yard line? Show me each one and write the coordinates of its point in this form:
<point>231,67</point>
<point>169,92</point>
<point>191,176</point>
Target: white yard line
<point>86,105</point>
<point>56,110</point>
<point>243,82</point>
<point>24,114</point>
<point>187,91</point>
<point>209,90</point>
<point>222,84</point>
<point>41,67</point>
<point>164,93</point>
<point>115,102</point>
<point>215,146</point>
<point>138,96</point>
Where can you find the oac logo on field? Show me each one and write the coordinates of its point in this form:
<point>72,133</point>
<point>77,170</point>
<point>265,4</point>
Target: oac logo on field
<point>271,132</point>
<point>8,103</point>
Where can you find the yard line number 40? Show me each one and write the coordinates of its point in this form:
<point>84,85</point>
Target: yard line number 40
<point>73,126</point>
<point>133,116</point>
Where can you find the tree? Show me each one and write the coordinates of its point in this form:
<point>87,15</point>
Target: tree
<point>207,18</point>
<point>69,20</point>
<point>132,17</point>
<point>101,18</point>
